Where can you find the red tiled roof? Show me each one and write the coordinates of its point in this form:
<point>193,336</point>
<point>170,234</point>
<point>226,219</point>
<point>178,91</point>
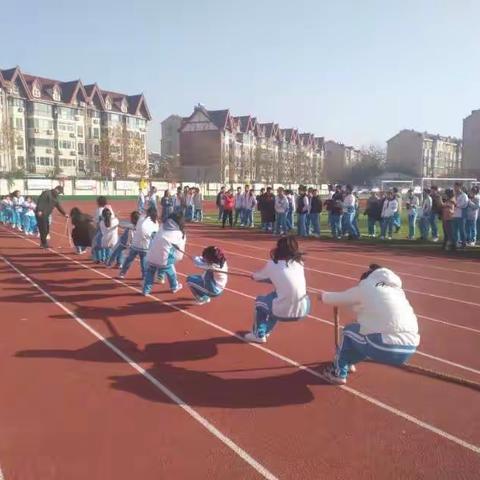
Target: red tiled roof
<point>137,104</point>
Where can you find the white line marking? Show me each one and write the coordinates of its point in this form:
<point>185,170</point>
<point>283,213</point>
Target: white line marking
<point>325,272</point>
<point>165,390</point>
<point>357,393</point>
<point>330,260</point>
<point>2,476</point>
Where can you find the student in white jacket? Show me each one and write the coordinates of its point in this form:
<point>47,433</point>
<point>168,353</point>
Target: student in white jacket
<point>460,215</point>
<point>212,283</point>
<point>250,204</point>
<point>425,214</point>
<point>165,250</point>
<point>281,210</point>
<point>146,228</point>
<point>289,300</point>
<point>386,330</point>
<point>109,230</point>
<point>390,207</point>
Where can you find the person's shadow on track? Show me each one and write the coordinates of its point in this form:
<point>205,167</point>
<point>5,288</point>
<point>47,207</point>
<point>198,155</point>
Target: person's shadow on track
<point>224,388</point>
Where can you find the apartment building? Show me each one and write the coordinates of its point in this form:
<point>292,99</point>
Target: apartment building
<point>53,127</point>
<point>471,145</point>
<point>339,159</point>
<point>219,147</point>
<point>423,154</point>
<point>170,141</point>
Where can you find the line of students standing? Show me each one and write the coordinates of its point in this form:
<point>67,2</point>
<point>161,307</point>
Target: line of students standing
<point>19,212</point>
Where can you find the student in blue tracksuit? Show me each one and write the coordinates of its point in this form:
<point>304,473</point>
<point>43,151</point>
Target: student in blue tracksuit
<point>289,300</point>
<point>145,230</point>
<point>167,205</point>
<point>166,249</point>
<point>124,241</point>
<point>386,330</point>
<point>212,283</point>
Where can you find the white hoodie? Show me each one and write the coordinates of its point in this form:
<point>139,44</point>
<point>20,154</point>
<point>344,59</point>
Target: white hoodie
<point>381,307</point>
<point>281,204</point>
<point>109,234</point>
<point>461,203</point>
<point>144,231</point>
<point>162,251</point>
<point>290,286</point>
<point>390,207</point>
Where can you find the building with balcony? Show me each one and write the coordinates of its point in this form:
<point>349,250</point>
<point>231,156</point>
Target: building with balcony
<point>216,146</point>
<point>48,126</point>
<point>422,154</point>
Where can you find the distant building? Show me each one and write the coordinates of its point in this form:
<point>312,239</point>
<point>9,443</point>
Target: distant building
<point>471,144</point>
<point>170,142</point>
<point>422,154</point>
<point>339,159</point>
<point>218,147</point>
<point>154,163</point>
<point>66,127</point>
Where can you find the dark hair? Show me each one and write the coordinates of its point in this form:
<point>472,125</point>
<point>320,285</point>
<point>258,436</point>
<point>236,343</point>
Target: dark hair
<point>371,268</point>
<point>214,255</point>
<point>152,213</point>
<point>107,217</point>
<point>134,216</point>
<point>75,214</point>
<point>286,249</point>
<point>449,193</point>
<point>102,201</point>
<point>179,220</point>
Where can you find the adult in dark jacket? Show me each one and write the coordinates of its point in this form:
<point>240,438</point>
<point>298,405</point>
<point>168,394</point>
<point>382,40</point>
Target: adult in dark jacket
<point>47,201</point>
<point>268,210</point>
<point>83,230</point>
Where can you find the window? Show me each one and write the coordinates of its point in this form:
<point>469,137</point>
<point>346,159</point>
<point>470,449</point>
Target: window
<point>15,102</point>
<point>67,113</point>
<point>19,123</point>
<point>93,114</point>
<point>96,150</point>
<point>81,149</point>
<point>19,143</point>
<point>80,131</point>
<point>56,94</point>
<point>66,127</point>
<point>21,161</point>
<point>42,142</point>
<point>67,144</point>
<point>36,91</point>
<point>96,133</point>
<point>44,161</point>
<point>41,109</point>
<point>67,162</point>
<point>113,117</point>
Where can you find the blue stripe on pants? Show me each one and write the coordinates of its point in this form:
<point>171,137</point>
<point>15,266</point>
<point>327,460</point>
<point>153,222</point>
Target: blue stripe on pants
<point>356,347</point>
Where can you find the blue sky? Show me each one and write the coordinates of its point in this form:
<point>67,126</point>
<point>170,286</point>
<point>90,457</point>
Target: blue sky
<point>355,71</point>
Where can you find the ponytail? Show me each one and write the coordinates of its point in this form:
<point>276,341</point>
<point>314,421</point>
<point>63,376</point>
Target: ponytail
<point>107,217</point>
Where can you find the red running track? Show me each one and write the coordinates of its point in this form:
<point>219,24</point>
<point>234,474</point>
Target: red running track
<point>77,407</point>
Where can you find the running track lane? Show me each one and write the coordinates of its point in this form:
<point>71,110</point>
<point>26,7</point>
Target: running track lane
<point>62,419</point>
<point>349,411</point>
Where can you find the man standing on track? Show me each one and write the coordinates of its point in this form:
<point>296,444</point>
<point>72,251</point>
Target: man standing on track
<point>47,201</point>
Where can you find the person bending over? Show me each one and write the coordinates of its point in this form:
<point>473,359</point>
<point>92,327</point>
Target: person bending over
<point>386,330</point>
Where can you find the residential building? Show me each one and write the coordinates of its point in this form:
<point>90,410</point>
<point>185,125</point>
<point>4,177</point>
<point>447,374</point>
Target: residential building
<point>154,163</point>
<point>53,127</point>
<point>170,142</point>
<point>218,147</point>
<point>422,154</point>
<point>471,145</point>
<point>339,159</point>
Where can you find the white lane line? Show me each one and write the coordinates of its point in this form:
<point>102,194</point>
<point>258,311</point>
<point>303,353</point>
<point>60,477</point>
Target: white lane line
<point>160,386</point>
<point>330,260</point>
<point>325,272</point>
<point>357,393</point>
<point>2,476</point>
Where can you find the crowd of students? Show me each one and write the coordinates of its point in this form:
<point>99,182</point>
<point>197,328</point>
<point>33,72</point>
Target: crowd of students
<point>457,210</point>
<point>19,212</point>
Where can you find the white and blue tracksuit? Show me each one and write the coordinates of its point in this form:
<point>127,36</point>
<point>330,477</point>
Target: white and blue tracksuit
<point>166,249</point>
<point>289,300</point>
<point>386,330</point>
<point>141,203</point>
<point>211,283</point>
<point>29,220</point>
<point>123,243</point>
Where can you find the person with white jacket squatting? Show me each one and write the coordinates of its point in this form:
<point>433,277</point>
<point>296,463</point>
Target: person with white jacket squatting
<point>166,249</point>
<point>289,301</point>
<point>386,330</point>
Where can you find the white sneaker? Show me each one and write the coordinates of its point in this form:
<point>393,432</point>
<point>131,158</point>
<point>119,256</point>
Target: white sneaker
<point>177,288</point>
<point>162,280</point>
<point>121,276</point>
<point>48,237</point>
<point>329,374</point>
<point>435,239</point>
<point>352,368</point>
<point>251,337</point>
<point>203,302</point>
<point>389,238</point>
